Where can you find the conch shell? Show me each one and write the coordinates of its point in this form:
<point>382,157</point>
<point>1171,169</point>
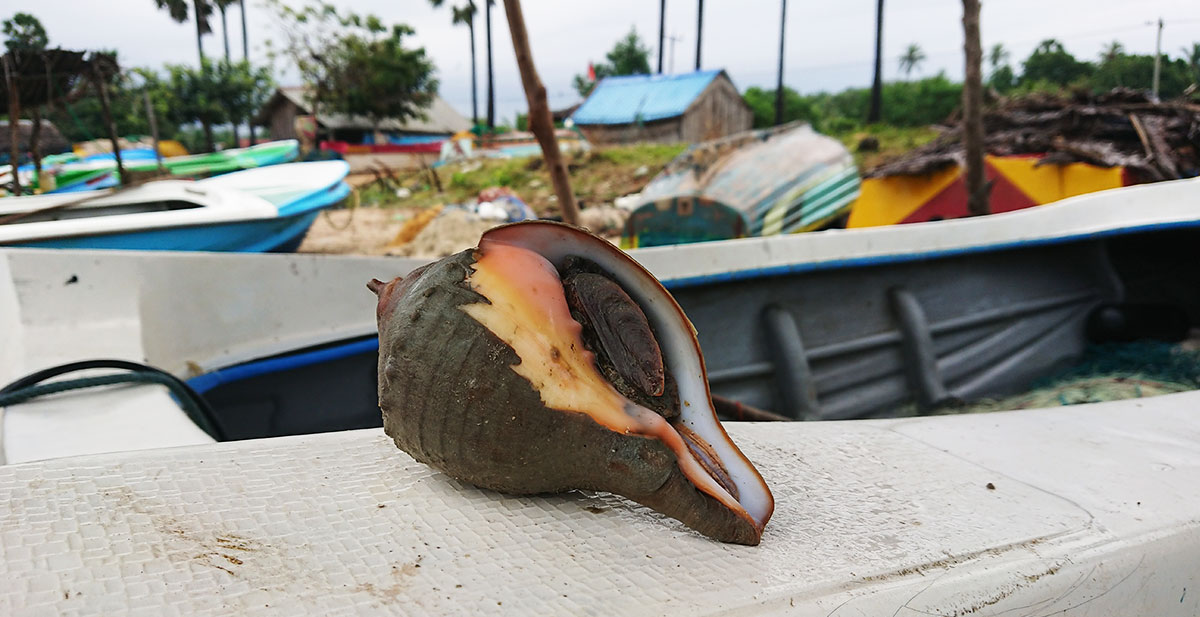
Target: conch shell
<point>547,360</point>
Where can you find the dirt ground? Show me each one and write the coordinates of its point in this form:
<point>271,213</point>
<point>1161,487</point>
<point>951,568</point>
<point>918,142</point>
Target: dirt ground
<point>376,231</point>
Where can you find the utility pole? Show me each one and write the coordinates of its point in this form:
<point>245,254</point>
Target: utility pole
<point>1157,58</point>
<point>699,29</point>
<point>779,80</point>
<point>662,30</point>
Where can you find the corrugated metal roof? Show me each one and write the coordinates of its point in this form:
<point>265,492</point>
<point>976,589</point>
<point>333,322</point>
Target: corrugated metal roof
<point>642,98</point>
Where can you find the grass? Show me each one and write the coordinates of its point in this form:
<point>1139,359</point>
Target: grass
<point>598,176</point>
<point>893,142</point>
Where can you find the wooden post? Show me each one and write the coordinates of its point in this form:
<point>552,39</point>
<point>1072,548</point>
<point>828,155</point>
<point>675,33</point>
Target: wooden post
<point>14,121</point>
<point>106,111</point>
<point>540,121</point>
<point>977,187</point>
<point>699,29</point>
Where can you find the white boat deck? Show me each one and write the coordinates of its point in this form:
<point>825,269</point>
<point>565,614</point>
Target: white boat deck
<point>1093,512</point>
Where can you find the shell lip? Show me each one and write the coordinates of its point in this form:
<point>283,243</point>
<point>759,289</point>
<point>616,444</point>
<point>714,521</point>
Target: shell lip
<point>562,234</point>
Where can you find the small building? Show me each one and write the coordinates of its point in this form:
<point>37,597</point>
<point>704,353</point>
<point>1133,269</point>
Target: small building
<point>280,112</point>
<point>691,107</point>
<point>50,141</point>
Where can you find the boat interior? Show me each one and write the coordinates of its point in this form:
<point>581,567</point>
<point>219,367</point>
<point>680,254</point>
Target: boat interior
<point>877,341</point>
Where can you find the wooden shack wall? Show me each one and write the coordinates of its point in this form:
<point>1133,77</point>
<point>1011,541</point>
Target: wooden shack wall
<point>283,120</point>
<point>717,112</point>
<point>662,131</point>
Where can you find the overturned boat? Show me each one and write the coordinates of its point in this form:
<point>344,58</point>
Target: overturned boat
<point>759,183</point>
<point>257,210</point>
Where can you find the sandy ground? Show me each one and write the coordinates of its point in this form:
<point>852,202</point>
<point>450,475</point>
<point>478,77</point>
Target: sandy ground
<point>373,231</point>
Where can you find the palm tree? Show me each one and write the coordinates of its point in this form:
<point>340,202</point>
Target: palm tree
<point>779,77</point>
<point>466,15</point>
<point>912,58</point>
<point>491,94</point>
<point>178,9</point>
<point>1111,52</point>
<point>997,55</point>
<point>877,85</point>
<point>662,31</point>
<point>1193,59</point>
<point>246,57</point>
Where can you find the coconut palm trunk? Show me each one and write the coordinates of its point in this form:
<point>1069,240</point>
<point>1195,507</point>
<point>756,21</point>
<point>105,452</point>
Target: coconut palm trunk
<point>197,8</point>
<point>246,57</point>
<point>662,31</point>
<point>474,88</point>
<point>876,111</point>
<point>779,78</point>
<point>491,90</point>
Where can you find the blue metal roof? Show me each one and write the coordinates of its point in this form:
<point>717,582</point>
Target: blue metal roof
<point>642,98</point>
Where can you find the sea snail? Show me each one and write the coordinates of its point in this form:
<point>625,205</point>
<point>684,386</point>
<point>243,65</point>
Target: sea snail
<point>547,360</point>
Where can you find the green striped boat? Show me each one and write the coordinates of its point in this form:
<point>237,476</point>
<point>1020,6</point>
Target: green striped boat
<point>787,179</point>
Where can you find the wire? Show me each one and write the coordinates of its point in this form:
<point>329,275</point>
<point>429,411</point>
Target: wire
<point>189,400</point>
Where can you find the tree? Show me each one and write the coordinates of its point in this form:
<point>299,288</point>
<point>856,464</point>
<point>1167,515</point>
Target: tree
<point>628,57</point>
<point>465,15</point>
<point>1111,52</point>
<point>214,94</point>
<point>24,31</point>
<point>202,9</point>
<point>1192,57</point>
<point>912,58</point>
<point>355,64</point>
<point>998,56</point>
<point>795,107</point>
<point>377,77</point>
<point>977,187</point>
<point>1001,78</point>
<point>1051,63</point>
<point>877,84</point>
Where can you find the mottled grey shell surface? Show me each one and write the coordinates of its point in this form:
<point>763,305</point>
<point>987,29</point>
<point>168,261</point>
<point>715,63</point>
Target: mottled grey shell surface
<point>450,400</point>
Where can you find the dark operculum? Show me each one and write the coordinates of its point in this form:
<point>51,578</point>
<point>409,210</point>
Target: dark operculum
<point>617,332</point>
<point>627,353</point>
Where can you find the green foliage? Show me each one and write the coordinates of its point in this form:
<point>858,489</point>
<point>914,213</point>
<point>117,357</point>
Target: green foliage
<point>912,58</point>
<point>379,78</point>
<point>1002,79</point>
<point>217,93</point>
<point>650,155</point>
<point>24,31</point>
<point>355,64</point>
<point>795,107</point>
<point>1050,62</point>
<point>1136,71</point>
<point>628,57</point>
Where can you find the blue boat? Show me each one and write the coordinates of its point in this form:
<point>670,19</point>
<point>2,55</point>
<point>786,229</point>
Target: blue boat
<point>256,210</point>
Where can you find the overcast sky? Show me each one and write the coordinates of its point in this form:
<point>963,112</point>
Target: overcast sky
<point>829,45</point>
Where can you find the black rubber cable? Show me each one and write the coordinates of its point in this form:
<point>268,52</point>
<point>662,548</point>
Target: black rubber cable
<point>190,401</point>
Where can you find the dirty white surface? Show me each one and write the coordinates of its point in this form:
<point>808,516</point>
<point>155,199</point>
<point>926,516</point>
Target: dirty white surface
<point>1093,512</point>
<point>186,313</point>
